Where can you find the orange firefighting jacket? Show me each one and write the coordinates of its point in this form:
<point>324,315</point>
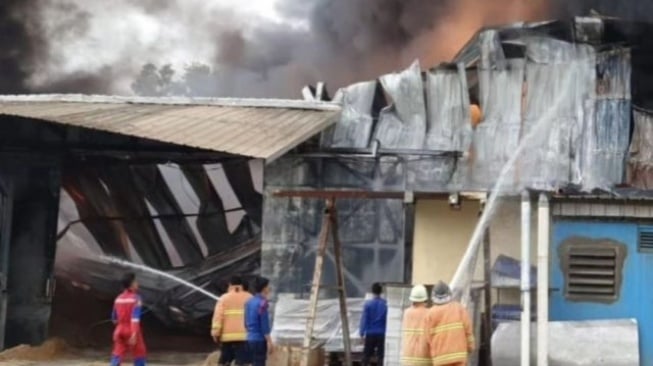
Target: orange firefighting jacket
<point>229,316</point>
<point>414,339</point>
<point>450,334</point>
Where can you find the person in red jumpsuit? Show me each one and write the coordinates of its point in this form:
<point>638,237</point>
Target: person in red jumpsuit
<point>126,316</point>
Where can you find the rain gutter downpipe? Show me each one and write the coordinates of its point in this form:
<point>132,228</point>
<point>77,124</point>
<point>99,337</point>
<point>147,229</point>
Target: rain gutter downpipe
<point>543,237</point>
<point>525,278</point>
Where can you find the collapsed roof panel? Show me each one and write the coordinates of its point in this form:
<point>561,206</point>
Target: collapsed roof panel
<point>355,126</point>
<point>640,162</point>
<point>500,84</point>
<point>560,94</point>
<point>403,124</point>
<point>566,72</point>
<point>606,134</point>
<point>447,100</point>
<point>180,219</point>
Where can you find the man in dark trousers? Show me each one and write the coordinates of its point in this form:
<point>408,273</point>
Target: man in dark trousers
<point>228,326</point>
<point>373,326</point>
<point>257,323</point>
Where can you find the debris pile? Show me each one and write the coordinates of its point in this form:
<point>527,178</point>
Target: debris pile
<point>52,349</point>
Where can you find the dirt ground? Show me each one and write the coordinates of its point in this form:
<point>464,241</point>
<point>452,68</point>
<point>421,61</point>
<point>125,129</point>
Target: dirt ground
<point>81,336</point>
<point>80,333</point>
<point>56,352</point>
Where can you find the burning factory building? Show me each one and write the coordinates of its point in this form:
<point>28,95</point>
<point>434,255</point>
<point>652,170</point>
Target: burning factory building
<point>202,188</point>
<point>564,113</point>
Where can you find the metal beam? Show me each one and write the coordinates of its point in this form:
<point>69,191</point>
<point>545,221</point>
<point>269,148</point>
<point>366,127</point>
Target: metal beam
<point>353,194</point>
<point>360,194</point>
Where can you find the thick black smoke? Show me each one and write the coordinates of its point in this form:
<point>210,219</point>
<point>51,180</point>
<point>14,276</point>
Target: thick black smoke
<point>342,41</point>
<point>635,10</point>
<point>25,47</point>
<point>21,43</point>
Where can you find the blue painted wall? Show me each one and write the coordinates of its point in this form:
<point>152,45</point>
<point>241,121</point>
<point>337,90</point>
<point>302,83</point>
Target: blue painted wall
<point>636,296</point>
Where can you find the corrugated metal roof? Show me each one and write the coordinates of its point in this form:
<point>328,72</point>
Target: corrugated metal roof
<point>257,128</point>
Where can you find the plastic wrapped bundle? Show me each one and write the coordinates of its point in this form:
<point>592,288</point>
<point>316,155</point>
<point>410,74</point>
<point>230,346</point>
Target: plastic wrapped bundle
<point>403,124</point>
<point>291,315</point>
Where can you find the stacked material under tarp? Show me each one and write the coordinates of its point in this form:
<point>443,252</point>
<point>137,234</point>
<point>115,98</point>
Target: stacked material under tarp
<point>560,82</point>
<point>291,315</point>
<point>506,273</point>
<point>573,343</point>
<point>500,82</point>
<point>640,163</point>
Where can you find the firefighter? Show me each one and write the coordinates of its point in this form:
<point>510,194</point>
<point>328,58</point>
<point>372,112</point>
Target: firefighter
<point>415,346</point>
<point>126,316</point>
<point>257,323</point>
<point>450,332</point>
<point>373,326</point>
<point>228,328</point>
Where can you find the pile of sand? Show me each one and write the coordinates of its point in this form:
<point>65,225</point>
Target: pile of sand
<point>52,349</point>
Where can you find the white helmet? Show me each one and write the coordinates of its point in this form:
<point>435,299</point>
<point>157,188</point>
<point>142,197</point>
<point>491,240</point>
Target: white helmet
<point>418,294</point>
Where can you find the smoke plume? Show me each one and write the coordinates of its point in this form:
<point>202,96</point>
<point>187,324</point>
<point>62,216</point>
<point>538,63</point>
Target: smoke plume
<point>246,49</point>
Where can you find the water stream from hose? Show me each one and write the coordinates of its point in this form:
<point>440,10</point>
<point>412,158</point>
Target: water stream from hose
<point>533,140</point>
<point>158,273</point>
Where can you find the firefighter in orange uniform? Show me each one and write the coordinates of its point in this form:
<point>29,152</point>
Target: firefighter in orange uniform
<point>415,346</point>
<point>229,324</point>
<point>451,339</point>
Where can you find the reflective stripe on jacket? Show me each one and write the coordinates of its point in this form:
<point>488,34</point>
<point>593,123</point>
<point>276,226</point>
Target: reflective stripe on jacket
<point>450,334</point>
<point>414,344</point>
<point>229,315</point>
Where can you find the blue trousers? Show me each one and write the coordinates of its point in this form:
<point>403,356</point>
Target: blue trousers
<point>259,352</point>
<point>117,361</point>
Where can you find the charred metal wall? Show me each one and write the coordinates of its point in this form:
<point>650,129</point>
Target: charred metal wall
<point>35,195</point>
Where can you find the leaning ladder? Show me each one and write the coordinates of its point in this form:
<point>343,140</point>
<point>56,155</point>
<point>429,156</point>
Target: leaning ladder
<point>329,224</point>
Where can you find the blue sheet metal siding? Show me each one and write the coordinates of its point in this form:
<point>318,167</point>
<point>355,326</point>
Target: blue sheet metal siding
<point>636,296</point>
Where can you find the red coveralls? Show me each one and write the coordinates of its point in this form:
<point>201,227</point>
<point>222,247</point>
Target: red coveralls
<point>126,316</point>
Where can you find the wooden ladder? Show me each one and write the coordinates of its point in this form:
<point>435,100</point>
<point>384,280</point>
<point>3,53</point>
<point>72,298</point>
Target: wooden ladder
<point>329,225</point>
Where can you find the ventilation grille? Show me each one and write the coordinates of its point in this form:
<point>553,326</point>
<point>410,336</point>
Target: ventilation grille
<point>645,240</point>
<point>592,273</point>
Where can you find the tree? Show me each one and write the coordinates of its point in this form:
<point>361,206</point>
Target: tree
<point>155,82</point>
